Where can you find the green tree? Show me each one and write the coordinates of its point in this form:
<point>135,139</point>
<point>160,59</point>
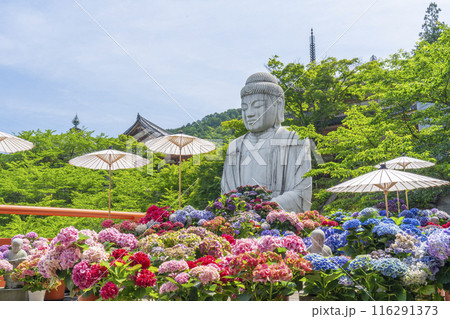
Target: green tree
<point>317,93</point>
<point>431,26</point>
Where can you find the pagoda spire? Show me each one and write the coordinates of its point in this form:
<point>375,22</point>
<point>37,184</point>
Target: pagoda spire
<point>76,122</point>
<point>312,47</point>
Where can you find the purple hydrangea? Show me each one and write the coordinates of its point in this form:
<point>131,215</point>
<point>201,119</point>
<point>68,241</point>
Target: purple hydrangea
<point>438,244</point>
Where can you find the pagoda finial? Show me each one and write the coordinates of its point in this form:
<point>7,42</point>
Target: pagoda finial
<point>312,47</point>
<point>75,121</point>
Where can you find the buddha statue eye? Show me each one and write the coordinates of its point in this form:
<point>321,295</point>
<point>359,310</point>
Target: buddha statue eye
<point>258,104</point>
<point>244,107</point>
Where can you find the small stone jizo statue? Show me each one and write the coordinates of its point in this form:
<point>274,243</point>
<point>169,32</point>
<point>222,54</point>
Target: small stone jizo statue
<point>318,246</point>
<point>15,256</point>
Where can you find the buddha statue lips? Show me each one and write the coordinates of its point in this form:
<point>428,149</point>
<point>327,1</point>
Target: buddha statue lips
<point>268,155</point>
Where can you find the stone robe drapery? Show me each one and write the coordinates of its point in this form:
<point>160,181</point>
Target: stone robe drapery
<point>277,160</point>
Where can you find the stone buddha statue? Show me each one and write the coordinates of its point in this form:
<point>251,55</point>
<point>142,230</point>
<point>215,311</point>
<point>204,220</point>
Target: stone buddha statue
<point>15,256</point>
<point>269,155</point>
<point>318,247</point>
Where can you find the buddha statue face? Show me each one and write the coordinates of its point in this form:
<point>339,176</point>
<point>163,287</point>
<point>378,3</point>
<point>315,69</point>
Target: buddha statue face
<point>317,238</point>
<point>259,112</point>
<point>16,246</point>
<point>262,102</point>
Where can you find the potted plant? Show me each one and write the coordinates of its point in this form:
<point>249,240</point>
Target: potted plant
<point>34,282</point>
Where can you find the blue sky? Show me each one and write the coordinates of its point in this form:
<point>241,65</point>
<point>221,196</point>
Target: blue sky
<point>55,61</point>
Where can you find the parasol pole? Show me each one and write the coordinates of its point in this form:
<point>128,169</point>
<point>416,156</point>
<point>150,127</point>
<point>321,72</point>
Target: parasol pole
<point>386,203</point>
<point>406,193</point>
<point>398,203</point>
<point>109,202</point>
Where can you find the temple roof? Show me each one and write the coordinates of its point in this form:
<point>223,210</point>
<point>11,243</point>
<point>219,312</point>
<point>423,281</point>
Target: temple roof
<point>144,130</point>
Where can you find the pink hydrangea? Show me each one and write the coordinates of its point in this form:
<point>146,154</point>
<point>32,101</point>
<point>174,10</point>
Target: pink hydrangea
<point>5,265</point>
<point>69,257</point>
<point>127,241</point>
<point>92,234</point>
<point>107,223</point>
<point>94,254</point>
<point>182,278</point>
<point>32,235</point>
<point>109,291</point>
<point>206,274</point>
<point>81,275</point>
<point>268,243</point>
<point>272,273</point>
<point>109,234</point>
<point>294,243</point>
<point>67,236</point>
<point>168,287</point>
<point>128,225</point>
<point>244,245</point>
<point>40,243</point>
<point>173,266</point>
<point>49,264</point>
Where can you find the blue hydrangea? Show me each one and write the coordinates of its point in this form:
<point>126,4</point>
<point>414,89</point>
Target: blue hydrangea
<point>319,262</point>
<point>410,229</point>
<point>188,209</point>
<point>411,221</point>
<point>355,214</point>
<point>391,267</point>
<point>208,215</point>
<point>415,211</point>
<point>340,261</point>
<point>408,214</point>
<point>424,220</point>
<point>425,212</point>
<point>195,214</point>
<point>308,242</point>
<point>388,220</point>
<point>371,221</point>
<point>338,219</point>
<point>352,224</point>
<point>266,232</point>
<point>364,262</point>
<point>369,211</point>
<point>386,229</point>
<point>346,281</point>
<point>178,216</point>
<point>287,233</point>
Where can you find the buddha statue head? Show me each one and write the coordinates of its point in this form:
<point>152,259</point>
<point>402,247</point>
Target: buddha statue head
<point>262,103</point>
<point>318,238</point>
<point>16,245</point>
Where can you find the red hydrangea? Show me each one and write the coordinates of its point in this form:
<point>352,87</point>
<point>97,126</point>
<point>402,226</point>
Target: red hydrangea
<point>330,223</point>
<point>145,278</point>
<point>191,264</point>
<point>109,291</point>
<point>158,214</point>
<point>120,253</point>
<point>140,258</point>
<point>446,225</point>
<point>206,260</point>
<point>230,238</point>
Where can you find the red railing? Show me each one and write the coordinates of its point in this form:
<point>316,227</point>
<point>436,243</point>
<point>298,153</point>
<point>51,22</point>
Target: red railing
<point>71,212</point>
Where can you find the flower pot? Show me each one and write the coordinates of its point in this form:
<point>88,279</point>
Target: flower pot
<point>2,282</point>
<point>56,294</point>
<point>91,297</point>
<point>36,295</point>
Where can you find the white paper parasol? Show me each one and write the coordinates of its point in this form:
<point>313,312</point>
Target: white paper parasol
<point>11,144</point>
<point>109,160</point>
<point>180,144</point>
<point>386,180</point>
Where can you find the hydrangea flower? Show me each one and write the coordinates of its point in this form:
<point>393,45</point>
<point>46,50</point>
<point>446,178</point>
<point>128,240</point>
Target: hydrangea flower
<point>364,262</point>
<point>385,229</point>
<point>391,267</point>
<point>411,221</point>
<point>268,243</point>
<point>340,261</point>
<point>438,244</point>
<point>206,274</point>
<point>371,221</point>
<point>408,214</point>
<point>109,291</point>
<point>173,266</point>
<point>319,262</point>
<point>275,272</point>
<point>294,243</point>
<point>167,287</point>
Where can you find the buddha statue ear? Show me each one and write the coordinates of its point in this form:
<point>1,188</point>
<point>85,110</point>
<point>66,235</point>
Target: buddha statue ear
<point>280,109</point>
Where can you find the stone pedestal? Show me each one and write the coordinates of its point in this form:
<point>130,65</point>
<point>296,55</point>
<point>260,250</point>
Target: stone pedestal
<point>13,295</point>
